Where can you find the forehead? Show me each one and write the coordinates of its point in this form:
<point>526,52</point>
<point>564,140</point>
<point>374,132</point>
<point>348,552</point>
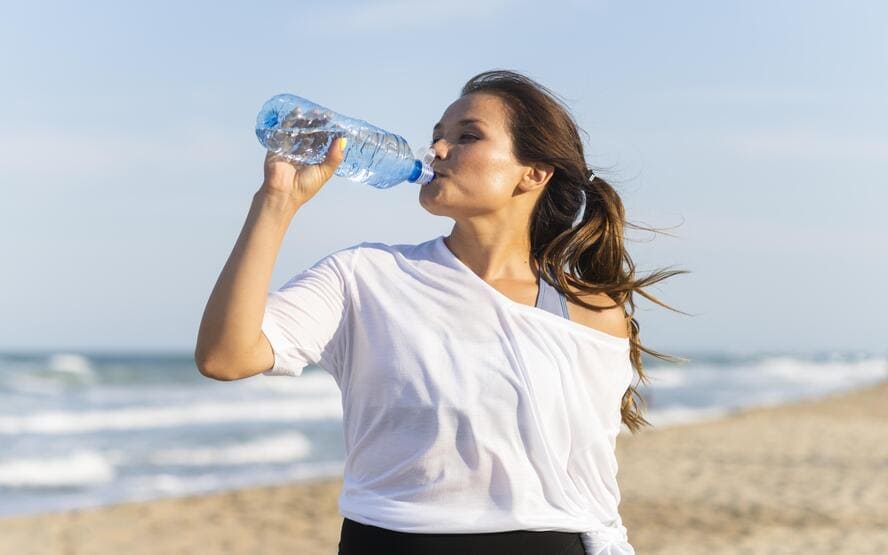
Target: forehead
<point>487,108</point>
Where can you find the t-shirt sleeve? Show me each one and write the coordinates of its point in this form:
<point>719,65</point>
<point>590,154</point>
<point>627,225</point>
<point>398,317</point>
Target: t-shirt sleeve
<point>306,318</point>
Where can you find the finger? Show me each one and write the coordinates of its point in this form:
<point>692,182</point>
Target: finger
<point>335,155</point>
<point>272,156</point>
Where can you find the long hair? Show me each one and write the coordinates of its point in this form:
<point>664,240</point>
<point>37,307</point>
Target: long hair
<point>590,256</point>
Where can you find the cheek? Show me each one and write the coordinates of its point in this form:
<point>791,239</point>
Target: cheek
<point>482,179</point>
<point>491,169</point>
<point>468,194</point>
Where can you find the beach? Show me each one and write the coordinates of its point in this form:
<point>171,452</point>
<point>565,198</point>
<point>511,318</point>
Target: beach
<point>806,477</point>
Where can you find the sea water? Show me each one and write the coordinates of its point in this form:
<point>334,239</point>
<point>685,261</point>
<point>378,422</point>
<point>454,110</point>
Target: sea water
<point>81,429</point>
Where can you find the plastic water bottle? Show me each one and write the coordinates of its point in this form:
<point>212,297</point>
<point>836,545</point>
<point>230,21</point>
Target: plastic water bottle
<point>302,131</point>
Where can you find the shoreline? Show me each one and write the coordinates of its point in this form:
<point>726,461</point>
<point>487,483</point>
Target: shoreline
<point>805,476</point>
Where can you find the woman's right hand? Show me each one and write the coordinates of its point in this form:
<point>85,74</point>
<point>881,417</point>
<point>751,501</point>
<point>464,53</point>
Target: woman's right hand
<point>298,183</point>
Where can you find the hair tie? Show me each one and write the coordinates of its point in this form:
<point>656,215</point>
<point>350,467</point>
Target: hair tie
<point>591,175</point>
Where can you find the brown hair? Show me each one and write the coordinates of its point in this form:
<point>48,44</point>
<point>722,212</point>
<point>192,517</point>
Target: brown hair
<point>593,251</point>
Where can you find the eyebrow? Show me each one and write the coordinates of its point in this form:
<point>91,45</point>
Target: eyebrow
<point>460,122</point>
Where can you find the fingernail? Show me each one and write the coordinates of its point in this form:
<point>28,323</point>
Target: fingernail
<point>342,142</point>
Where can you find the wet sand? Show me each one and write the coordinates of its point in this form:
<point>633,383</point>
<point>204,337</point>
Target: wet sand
<point>810,477</point>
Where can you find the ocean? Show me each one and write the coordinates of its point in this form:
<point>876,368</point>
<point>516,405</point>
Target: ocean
<point>90,429</point>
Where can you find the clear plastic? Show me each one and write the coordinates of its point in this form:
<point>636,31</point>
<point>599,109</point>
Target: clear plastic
<point>302,131</point>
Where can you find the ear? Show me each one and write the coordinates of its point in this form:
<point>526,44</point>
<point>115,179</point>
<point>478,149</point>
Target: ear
<point>537,176</point>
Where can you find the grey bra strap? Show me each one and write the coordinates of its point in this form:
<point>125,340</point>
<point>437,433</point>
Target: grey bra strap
<point>551,300</point>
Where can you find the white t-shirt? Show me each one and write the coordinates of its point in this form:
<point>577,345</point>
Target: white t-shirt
<point>463,410</point>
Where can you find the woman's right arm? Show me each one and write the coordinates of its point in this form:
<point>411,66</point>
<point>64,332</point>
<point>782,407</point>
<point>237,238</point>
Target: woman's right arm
<point>230,342</point>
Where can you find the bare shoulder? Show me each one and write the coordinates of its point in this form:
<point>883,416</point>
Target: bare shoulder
<point>610,320</point>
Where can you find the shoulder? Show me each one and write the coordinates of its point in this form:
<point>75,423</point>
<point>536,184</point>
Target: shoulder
<point>365,249</point>
<point>376,251</point>
<point>373,258</point>
<point>610,319</point>
<point>343,257</point>
<point>366,259</point>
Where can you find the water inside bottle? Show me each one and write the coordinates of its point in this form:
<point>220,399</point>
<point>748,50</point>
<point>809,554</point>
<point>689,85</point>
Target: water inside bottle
<point>302,136</point>
<point>303,132</point>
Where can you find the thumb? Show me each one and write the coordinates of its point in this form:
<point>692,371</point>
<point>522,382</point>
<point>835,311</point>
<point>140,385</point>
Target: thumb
<point>335,155</point>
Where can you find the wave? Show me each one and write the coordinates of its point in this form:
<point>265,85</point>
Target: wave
<point>90,468</point>
<point>140,418</point>
<point>275,449</point>
<point>699,393</point>
<point>71,363</point>
<point>170,485</point>
<point>78,469</point>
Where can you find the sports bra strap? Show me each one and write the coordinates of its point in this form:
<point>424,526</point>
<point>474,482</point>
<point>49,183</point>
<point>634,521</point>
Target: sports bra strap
<point>551,300</point>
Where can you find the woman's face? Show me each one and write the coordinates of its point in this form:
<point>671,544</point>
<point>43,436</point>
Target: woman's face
<point>476,171</point>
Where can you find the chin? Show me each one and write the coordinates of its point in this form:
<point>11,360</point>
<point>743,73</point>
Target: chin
<point>433,204</point>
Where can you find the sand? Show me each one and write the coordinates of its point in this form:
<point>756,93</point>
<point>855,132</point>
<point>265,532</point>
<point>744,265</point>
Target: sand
<point>810,477</point>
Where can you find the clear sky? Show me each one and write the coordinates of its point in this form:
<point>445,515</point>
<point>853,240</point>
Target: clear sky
<point>757,132</point>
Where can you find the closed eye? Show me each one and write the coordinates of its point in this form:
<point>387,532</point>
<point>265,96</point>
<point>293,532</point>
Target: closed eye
<point>461,136</point>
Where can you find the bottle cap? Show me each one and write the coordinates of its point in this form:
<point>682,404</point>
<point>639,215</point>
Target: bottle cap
<point>423,172</point>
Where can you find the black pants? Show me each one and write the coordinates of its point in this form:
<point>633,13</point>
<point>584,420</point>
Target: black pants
<point>361,539</point>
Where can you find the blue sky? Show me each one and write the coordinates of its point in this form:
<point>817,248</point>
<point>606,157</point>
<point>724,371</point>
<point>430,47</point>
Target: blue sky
<point>756,131</point>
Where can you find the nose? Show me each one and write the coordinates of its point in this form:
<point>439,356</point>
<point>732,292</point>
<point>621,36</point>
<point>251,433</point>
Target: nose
<point>440,149</point>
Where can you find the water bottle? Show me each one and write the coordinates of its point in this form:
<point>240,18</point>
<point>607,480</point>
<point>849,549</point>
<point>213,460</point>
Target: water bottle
<point>302,131</point>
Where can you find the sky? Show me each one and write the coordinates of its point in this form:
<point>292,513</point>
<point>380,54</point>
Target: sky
<point>755,133</point>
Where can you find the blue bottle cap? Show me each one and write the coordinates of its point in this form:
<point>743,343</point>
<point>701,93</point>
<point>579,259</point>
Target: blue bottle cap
<point>422,169</point>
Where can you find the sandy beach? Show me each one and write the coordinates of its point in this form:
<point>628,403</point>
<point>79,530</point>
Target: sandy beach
<point>810,477</point>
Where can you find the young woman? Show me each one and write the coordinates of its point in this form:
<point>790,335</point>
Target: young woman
<point>484,375</point>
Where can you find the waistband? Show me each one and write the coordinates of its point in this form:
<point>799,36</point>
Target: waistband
<point>358,539</point>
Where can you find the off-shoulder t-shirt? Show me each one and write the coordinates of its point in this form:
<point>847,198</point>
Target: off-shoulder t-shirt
<point>463,410</point>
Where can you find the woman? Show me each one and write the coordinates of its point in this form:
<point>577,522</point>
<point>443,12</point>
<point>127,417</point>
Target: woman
<point>485,374</point>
